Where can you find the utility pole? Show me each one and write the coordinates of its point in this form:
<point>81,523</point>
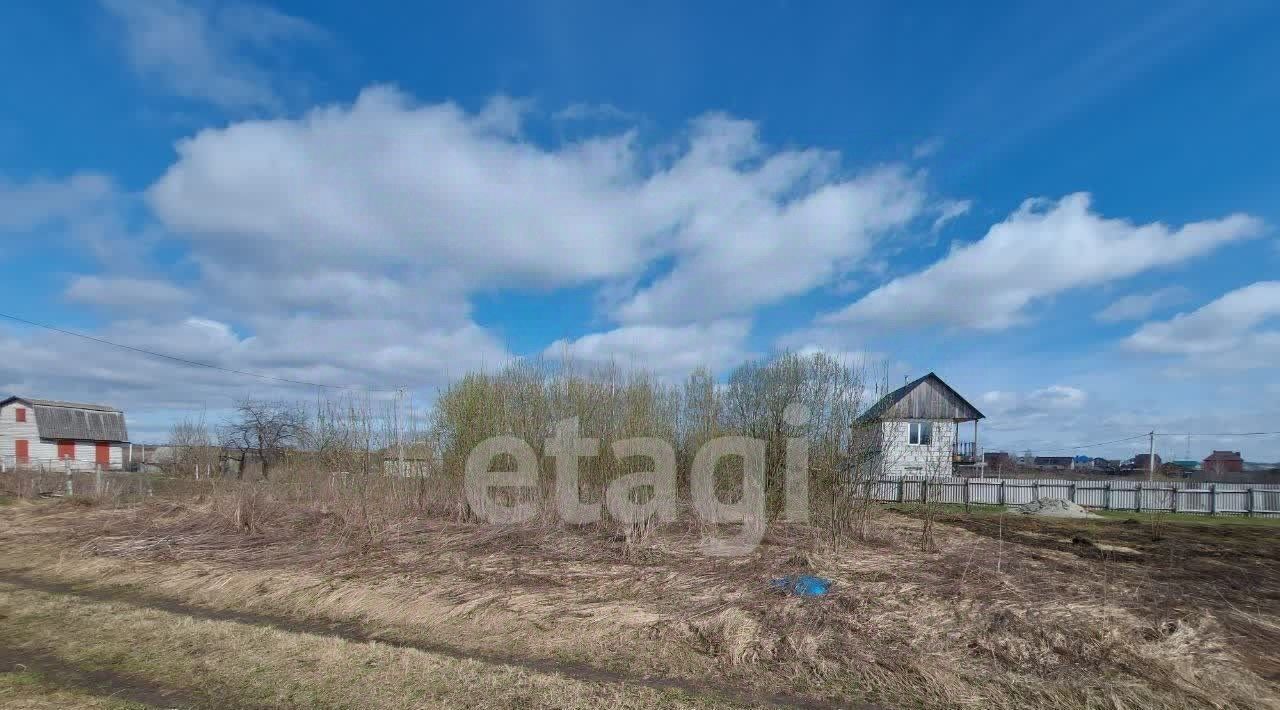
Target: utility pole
<point>978,459</point>
<point>1151,457</point>
<point>399,437</point>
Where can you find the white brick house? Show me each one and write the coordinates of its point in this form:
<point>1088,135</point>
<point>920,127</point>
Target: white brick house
<point>40,431</point>
<point>915,430</point>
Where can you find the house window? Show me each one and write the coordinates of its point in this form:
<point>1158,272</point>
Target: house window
<point>66,449</point>
<point>920,433</point>
<point>20,414</point>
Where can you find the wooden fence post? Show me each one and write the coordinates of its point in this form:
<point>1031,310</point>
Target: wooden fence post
<point>1213,499</point>
<point>1248,509</point>
<point>1035,490</point>
<point>1071,492</point>
<point>900,492</point>
<point>1137,497</point>
<point>1174,493</point>
<point>966,495</point>
<point>1106,496</point>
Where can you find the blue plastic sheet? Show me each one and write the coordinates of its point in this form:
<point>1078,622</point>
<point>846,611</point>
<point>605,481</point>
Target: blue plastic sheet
<point>803,585</point>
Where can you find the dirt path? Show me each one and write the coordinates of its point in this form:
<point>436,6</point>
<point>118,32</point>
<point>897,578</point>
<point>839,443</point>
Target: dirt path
<point>355,633</point>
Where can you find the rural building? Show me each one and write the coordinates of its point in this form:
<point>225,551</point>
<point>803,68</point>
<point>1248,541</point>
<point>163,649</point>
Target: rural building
<point>998,461</point>
<point>46,432</point>
<point>1220,462</point>
<point>1102,464</point>
<point>1142,462</point>
<point>915,430</point>
<point>1062,463</point>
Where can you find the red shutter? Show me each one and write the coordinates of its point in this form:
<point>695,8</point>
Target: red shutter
<point>102,454</point>
<point>66,449</point>
<point>23,450</point>
<point>20,414</point>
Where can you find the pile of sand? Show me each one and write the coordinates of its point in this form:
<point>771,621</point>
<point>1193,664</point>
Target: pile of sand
<point>1054,508</point>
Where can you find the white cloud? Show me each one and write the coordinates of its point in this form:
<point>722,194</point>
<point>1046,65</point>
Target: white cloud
<point>30,205</point>
<point>1051,400</point>
<point>672,351</point>
<point>593,112</point>
<point>84,212</point>
<point>1140,305</point>
<point>365,352</point>
<point>1041,250</point>
<point>127,293</point>
<point>857,359</point>
<point>388,183</point>
<point>1230,333</point>
<point>741,249</point>
<point>949,210</point>
<point>927,149</point>
<point>1058,397</point>
<point>344,246</point>
<point>210,52</point>
<point>319,290</point>
<point>998,400</point>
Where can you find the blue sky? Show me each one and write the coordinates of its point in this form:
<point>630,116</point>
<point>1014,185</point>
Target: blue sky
<point>1071,217</point>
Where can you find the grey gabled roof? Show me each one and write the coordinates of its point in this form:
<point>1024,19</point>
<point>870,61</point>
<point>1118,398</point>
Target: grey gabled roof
<point>71,420</point>
<point>935,401</point>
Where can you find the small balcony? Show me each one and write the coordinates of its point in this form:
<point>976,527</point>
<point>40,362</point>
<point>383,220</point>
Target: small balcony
<point>965,453</point>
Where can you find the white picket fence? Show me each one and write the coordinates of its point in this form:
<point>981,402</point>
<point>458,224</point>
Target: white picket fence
<point>1139,496</point>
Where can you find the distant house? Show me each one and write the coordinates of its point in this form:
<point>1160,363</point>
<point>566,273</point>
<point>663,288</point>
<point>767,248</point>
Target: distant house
<point>1220,462</point>
<point>997,461</point>
<point>1142,462</point>
<point>46,431</point>
<point>914,429</point>
<point>1061,463</point>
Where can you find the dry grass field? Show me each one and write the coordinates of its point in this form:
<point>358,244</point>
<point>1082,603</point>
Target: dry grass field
<point>248,595</point>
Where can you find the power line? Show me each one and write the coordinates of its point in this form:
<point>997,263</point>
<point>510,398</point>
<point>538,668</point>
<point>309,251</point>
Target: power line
<point>185,361</point>
<point>1113,441</point>
<point>1066,449</point>
<point>1099,443</point>
<point>1238,433</point>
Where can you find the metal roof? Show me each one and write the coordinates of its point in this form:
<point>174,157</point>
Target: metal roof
<point>68,405</point>
<point>71,420</point>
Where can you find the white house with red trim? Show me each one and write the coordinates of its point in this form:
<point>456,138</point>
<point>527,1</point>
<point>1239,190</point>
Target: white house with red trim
<point>42,431</point>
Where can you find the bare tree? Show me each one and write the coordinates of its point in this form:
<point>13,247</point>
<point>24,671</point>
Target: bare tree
<point>263,429</point>
<point>828,394</point>
<point>189,440</point>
